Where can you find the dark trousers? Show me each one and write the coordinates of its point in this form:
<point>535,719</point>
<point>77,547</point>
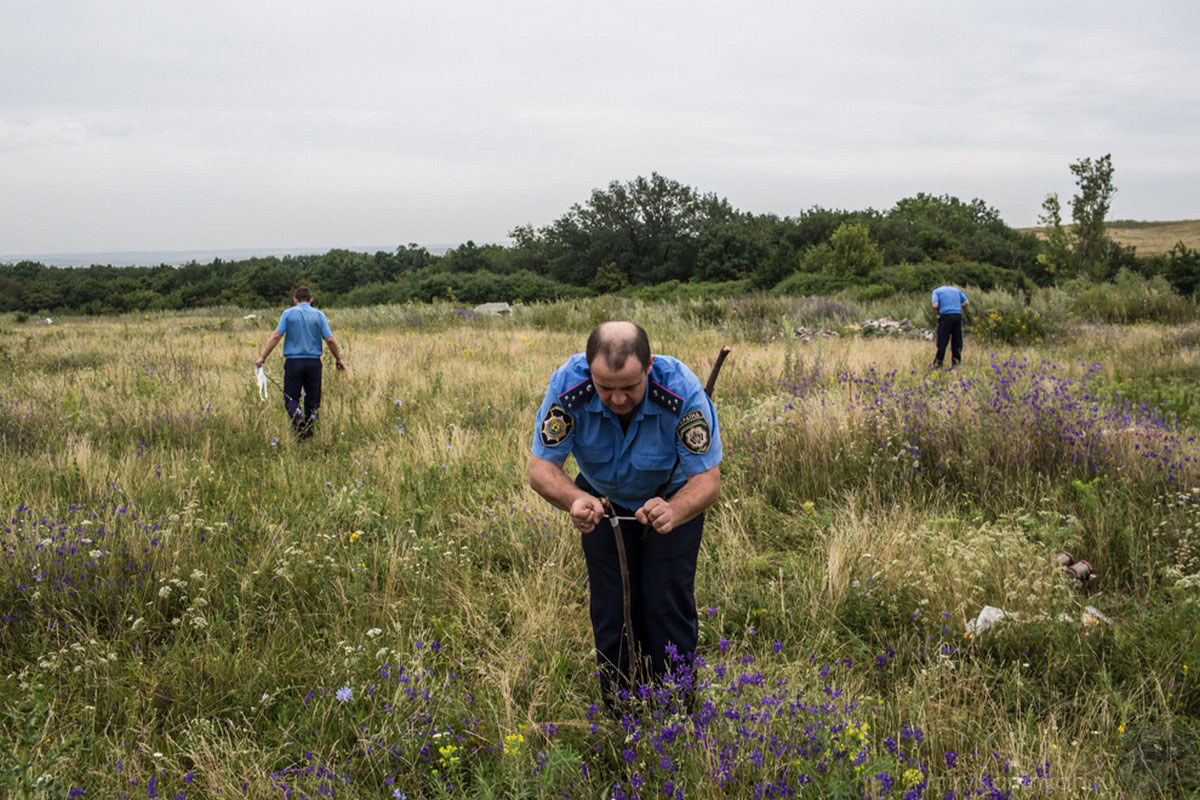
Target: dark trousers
<point>662,578</point>
<point>949,330</point>
<point>302,375</point>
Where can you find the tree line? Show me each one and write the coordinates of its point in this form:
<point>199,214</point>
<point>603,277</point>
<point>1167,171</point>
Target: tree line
<point>639,236</point>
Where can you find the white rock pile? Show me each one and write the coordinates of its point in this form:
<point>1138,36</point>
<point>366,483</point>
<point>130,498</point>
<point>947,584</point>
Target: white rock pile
<point>883,326</point>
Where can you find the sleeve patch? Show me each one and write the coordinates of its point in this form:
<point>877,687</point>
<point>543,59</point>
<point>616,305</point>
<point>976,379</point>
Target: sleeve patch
<point>556,426</point>
<point>694,432</point>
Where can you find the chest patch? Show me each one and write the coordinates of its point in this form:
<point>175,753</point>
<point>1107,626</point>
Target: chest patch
<point>694,432</point>
<point>556,426</point>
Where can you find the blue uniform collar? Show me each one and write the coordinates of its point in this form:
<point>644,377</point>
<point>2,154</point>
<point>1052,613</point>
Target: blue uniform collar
<point>644,409</point>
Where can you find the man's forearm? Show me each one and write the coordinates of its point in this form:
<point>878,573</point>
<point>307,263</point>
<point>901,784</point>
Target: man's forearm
<point>696,495</point>
<point>551,482</point>
<point>333,347</point>
<point>270,345</point>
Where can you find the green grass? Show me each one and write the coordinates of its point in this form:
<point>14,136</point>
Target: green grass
<point>869,510</point>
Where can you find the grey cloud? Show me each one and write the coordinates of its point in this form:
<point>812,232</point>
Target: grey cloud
<point>130,125</point>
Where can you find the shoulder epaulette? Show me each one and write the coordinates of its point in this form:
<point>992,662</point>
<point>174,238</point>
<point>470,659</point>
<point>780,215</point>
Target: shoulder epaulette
<point>577,395</point>
<point>665,397</point>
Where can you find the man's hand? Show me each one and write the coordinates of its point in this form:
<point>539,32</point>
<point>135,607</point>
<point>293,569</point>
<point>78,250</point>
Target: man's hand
<point>586,512</point>
<point>657,513</point>
<point>341,365</point>
<point>258,364</point>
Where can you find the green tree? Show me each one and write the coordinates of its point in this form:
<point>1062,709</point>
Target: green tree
<point>728,250</point>
<point>1083,250</point>
<point>609,279</point>
<point>1089,207</point>
<point>471,257</point>
<point>853,253</point>
<point>649,227</point>
<point>1183,268</point>
<point>818,259</point>
<point>781,262</point>
<point>1058,249</point>
<point>948,230</point>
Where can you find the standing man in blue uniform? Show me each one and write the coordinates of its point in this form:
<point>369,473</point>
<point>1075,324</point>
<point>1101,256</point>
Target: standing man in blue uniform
<point>948,301</point>
<point>304,328</point>
<point>644,434</point>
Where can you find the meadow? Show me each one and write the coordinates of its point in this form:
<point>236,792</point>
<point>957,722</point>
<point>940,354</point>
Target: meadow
<point>195,605</point>
<point>1156,238</point>
<point>1150,238</point>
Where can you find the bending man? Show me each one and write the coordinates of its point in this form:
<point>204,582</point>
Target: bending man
<point>644,435</point>
<point>948,302</point>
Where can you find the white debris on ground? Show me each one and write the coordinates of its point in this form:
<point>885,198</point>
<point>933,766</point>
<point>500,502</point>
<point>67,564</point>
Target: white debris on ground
<point>883,326</point>
<point>1091,617</point>
<point>988,617</point>
<point>808,334</point>
<point>493,308</point>
<point>250,316</point>
<point>890,327</point>
<point>47,321</point>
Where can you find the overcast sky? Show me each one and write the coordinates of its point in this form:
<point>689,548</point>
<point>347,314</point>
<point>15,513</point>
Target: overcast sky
<point>162,125</point>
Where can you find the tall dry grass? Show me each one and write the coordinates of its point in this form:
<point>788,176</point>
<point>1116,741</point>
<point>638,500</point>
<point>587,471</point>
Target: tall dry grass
<point>243,578</point>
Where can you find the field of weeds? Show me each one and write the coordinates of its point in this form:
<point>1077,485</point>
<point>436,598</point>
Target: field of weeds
<point>194,605</point>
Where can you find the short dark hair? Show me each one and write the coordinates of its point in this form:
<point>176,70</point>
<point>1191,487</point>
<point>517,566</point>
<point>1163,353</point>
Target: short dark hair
<point>303,294</point>
<point>617,349</point>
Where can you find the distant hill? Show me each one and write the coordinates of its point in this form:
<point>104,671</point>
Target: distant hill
<point>1151,238</point>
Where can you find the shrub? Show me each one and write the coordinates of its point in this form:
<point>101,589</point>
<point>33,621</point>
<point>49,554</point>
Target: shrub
<point>375,294</point>
<point>1016,326</point>
<point>609,278</point>
<point>925,276</point>
<point>873,291</point>
<point>472,287</point>
<point>679,291</point>
<point>811,283</point>
<point>782,260</point>
<point>824,311</point>
<point>1130,298</point>
<point>853,252</point>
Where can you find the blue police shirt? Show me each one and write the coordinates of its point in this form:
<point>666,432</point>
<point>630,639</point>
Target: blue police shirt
<point>949,299</point>
<point>675,420</point>
<point>303,328</point>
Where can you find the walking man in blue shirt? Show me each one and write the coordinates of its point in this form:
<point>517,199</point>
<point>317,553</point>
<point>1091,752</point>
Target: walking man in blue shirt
<point>644,434</point>
<point>304,328</point>
<point>948,301</point>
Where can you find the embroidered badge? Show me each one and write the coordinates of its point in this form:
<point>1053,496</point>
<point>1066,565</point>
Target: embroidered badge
<point>694,432</point>
<point>556,426</point>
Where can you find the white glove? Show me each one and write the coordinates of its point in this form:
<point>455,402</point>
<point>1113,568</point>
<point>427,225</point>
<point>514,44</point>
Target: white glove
<point>261,376</point>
